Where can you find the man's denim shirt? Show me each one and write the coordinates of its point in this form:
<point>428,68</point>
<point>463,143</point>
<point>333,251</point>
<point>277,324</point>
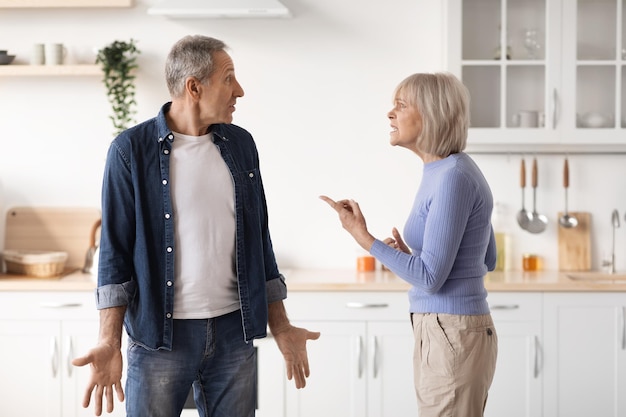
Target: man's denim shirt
<point>136,265</point>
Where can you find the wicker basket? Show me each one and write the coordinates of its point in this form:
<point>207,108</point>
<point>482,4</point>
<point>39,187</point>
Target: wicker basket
<point>40,264</point>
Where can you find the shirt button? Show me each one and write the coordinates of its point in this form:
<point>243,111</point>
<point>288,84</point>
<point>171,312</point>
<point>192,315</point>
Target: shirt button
<point>166,151</point>
<point>169,249</point>
<point>167,215</point>
<point>251,174</point>
<point>169,283</point>
<point>164,182</point>
<point>168,315</point>
<point>170,136</point>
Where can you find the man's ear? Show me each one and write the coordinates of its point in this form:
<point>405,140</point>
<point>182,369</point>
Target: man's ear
<point>193,86</point>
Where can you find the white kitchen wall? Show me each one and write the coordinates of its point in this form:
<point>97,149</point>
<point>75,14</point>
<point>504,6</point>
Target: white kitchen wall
<point>318,87</point>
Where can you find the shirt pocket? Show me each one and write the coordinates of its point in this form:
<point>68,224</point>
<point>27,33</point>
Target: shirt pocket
<point>250,183</point>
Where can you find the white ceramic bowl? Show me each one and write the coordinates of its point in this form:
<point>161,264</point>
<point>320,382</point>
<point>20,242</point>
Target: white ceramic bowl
<point>595,120</point>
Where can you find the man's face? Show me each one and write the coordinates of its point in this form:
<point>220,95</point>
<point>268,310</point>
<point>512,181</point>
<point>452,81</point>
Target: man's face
<point>221,91</point>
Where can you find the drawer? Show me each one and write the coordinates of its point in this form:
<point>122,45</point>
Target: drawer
<point>347,306</point>
<point>47,305</point>
<point>515,306</point>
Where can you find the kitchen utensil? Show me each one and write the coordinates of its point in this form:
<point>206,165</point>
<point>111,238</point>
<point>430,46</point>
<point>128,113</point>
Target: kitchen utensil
<point>575,244</point>
<point>523,216</point>
<point>63,229</point>
<point>93,247</point>
<point>538,222</point>
<point>567,220</point>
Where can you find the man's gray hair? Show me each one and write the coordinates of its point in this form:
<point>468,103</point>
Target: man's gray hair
<point>192,56</point>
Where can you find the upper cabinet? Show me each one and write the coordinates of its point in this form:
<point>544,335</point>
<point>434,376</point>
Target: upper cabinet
<point>64,3</point>
<point>544,75</point>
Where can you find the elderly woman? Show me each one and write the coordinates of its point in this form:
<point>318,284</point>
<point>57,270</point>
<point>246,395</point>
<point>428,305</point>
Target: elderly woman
<point>449,248</point>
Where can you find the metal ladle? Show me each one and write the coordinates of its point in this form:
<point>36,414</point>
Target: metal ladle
<point>523,216</point>
<point>566,220</point>
<point>538,222</point>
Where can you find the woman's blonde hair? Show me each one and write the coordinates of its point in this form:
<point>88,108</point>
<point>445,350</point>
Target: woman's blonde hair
<point>443,102</point>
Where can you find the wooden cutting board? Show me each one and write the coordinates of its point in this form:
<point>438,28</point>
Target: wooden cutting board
<point>575,244</point>
<point>65,229</point>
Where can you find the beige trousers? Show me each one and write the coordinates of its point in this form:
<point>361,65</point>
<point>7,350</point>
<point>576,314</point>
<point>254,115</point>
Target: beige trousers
<point>454,361</point>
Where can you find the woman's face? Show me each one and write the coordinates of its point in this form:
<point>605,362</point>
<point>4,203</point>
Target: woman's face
<point>406,124</point>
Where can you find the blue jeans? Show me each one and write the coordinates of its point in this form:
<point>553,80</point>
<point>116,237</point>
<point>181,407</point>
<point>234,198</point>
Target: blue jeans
<point>208,354</point>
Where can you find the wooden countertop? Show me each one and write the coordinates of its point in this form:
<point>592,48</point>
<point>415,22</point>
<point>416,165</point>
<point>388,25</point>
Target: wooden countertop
<point>349,280</point>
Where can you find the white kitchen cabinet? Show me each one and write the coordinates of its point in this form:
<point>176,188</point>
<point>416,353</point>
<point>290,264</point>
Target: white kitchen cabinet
<point>517,387</point>
<point>362,363</point>
<point>585,355</point>
<point>271,379</point>
<point>567,93</point>
<point>40,333</point>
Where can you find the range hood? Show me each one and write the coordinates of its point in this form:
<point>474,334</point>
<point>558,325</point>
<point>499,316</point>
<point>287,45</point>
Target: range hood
<point>216,9</point>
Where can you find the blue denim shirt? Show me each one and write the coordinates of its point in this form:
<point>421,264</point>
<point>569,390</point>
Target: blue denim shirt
<point>136,264</point>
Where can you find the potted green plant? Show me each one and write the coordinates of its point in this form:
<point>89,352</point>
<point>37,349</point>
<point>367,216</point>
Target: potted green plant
<point>118,61</point>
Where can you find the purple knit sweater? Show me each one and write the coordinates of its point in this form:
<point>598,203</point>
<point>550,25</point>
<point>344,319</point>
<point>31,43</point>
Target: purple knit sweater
<point>450,234</point>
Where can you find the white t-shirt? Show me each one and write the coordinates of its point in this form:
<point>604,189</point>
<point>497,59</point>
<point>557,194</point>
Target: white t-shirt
<point>205,280</point>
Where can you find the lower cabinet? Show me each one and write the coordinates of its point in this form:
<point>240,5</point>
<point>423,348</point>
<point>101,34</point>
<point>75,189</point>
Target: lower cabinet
<point>559,355</point>
<point>362,363</point>
<point>271,379</point>
<point>585,355</point>
<point>40,334</point>
<point>517,386</point>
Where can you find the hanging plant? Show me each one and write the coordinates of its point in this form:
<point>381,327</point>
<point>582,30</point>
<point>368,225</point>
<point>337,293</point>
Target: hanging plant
<point>118,60</point>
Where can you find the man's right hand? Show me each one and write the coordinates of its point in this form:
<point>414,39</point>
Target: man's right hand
<point>106,375</point>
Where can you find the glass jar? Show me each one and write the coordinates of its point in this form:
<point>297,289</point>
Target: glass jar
<point>531,262</point>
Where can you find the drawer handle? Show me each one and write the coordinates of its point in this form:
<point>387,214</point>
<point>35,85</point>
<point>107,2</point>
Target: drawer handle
<point>366,305</point>
<point>505,307</point>
<point>60,305</point>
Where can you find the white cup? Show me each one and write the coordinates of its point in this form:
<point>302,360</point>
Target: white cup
<point>526,118</point>
<point>55,53</point>
<point>37,56</point>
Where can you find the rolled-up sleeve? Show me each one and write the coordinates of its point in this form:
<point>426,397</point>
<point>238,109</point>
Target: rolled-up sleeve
<point>115,295</point>
<point>276,289</point>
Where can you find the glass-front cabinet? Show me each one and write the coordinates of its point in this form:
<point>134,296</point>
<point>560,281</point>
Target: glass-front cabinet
<point>543,74</point>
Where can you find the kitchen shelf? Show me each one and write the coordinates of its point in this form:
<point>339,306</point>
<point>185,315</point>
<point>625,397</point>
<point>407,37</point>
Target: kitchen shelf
<point>48,70</point>
<point>21,4</point>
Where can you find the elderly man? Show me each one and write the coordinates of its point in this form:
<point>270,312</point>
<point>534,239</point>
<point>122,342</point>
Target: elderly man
<point>186,260</point>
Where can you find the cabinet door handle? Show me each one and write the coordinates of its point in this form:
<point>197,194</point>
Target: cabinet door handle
<point>375,356</point>
<point>555,108</point>
<point>359,356</point>
<point>69,356</point>
<point>366,305</point>
<point>54,356</point>
<point>535,357</point>
<point>504,307</point>
<point>623,327</point>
